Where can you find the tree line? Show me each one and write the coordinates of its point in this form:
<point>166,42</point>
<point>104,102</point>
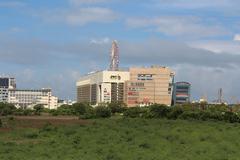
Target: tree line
<point>196,111</point>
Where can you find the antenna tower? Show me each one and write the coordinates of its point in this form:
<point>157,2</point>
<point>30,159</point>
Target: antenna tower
<point>114,57</point>
<point>220,95</point>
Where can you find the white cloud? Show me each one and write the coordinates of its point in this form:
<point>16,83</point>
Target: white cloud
<point>237,37</point>
<point>230,47</point>
<point>80,16</point>
<point>104,40</point>
<point>187,27</point>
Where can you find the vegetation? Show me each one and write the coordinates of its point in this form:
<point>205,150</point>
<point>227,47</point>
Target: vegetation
<point>6,109</point>
<point>123,139</point>
<point>38,109</point>
<point>197,111</point>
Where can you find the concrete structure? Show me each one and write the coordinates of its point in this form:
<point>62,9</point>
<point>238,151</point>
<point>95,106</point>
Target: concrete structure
<point>102,87</point>
<point>181,93</point>
<point>148,86</point>
<point>30,98</point>
<point>6,83</point>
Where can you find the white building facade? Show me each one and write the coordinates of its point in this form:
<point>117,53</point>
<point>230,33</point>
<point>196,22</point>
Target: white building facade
<point>102,87</point>
<point>29,98</point>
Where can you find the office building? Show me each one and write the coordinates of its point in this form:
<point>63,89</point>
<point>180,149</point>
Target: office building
<point>29,98</point>
<point>181,93</point>
<point>149,85</point>
<point>102,87</point>
<point>6,83</point>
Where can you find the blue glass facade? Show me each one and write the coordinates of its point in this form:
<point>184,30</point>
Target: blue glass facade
<point>181,93</point>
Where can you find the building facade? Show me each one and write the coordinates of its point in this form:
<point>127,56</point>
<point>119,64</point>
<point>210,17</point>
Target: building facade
<point>29,98</point>
<point>148,86</point>
<point>102,87</point>
<point>181,93</point>
<point>6,83</point>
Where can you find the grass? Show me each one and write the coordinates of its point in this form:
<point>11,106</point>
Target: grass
<point>123,139</point>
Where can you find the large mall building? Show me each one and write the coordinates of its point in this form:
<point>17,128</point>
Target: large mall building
<point>137,86</point>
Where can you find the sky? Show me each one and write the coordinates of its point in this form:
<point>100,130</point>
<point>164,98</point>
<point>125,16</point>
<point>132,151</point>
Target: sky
<point>52,43</point>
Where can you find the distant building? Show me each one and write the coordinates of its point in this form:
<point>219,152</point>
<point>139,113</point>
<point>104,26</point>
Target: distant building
<point>149,85</point>
<point>181,93</point>
<point>102,87</point>
<point>65,102</point>
<point>29,98</point>
<point>136,87</point>
<point>6,83</point>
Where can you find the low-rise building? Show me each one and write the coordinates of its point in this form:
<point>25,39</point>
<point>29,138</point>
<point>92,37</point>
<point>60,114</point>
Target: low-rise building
<point>29,98</point>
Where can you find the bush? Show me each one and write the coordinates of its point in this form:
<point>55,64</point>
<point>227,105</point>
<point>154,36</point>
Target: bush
<point>90,114</point>
<point>27,112</point>
<point>65,110</point>
<point>102,112</point>
<point>231,117</point>
<point>190,115</point>
<point>81,108</point>
<point>31,135</point>
<point>6,109</point>
<point>135,112</point>
<point>48,127</point>
<point>1,123</point>
<point>175,112</point>
<point>117,107</point>
<point>159,111</point>
<point>38,109</point>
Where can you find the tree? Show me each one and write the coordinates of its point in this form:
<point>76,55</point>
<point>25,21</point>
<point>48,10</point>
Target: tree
<point>81,108</point>
<point>117,107</point>
<point>6,109</point>
<point>38,109</point>
<point>159,111</point>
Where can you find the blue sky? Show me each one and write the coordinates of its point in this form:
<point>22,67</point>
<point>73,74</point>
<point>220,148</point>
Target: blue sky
<point>52,43</point>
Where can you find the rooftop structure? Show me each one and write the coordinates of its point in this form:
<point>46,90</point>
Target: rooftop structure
<point>114,57</point>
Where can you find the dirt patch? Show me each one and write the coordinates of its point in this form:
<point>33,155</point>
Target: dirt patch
<point>5,129</point>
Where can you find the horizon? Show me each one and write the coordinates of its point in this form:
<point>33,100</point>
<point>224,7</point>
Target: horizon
<point>51,44</point>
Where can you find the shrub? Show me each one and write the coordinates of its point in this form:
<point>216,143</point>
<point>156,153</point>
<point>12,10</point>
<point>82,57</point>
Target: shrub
<point>54,112</point>
<point>117,107</point>
<point>66,110</point>
<point>6,109</point>
<point>31,135</point>
<point>133,112</point>
<point>1,123</point>
<point>27,112</point>
<point>81,108</point>
<point>231,117</point>
<point>38,109</point>
<point>159,111</point>
<point>48,127</point>
<point>175,112</point>
<point>190,115</point>
<point>88,115</point>
<point>102,112</point>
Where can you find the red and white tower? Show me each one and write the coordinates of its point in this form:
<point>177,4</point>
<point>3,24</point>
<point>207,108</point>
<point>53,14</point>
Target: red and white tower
<point>114,57</point>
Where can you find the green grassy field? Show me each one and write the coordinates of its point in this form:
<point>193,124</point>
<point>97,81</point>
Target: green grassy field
<point>123,139</point>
